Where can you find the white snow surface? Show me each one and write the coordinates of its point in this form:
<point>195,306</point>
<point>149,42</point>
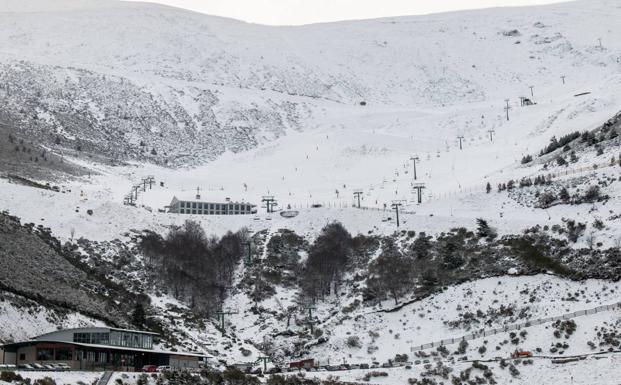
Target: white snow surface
<point>426,80</point>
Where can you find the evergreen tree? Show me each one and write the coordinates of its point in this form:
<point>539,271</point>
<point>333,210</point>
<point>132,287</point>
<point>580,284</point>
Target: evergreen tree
<point>138,315</point>
<point>564,195</point>
<point>421,247</point>
<point>484,230</point>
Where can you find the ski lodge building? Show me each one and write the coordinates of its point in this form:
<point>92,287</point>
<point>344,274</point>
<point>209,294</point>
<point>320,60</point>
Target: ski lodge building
<point>198,207</point>
<point>96,348</point>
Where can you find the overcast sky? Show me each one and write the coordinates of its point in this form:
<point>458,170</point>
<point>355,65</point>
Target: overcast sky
<point>294,12</point>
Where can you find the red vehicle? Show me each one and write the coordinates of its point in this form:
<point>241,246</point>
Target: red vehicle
<point>521,354</point>
<point>149,369</point>
<point>303,364</point>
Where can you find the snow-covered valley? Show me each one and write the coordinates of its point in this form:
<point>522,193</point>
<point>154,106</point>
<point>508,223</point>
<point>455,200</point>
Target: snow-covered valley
<point>97,95</point>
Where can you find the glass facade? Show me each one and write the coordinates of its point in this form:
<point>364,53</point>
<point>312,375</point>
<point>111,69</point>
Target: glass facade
<point>116,338</point>
<point>131,340</point>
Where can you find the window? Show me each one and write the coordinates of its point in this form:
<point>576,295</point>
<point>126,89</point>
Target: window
<point>193,205</point>
<point>45,354</point>
<point>100,338</point>
<point>182,204</point>
<point>84,338</point>
<point>193,211</point>
<point>133,340</point>
<point>211,206</point>
<point>22,356</point>
<point>102,357</point>
<point>62,354</point>
<point>182,211</point>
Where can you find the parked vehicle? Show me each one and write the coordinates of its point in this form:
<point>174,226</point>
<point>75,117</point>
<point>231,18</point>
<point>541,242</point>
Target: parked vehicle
<point>25,367</point>
<point>37,366</point>
<point>149,369</point>
<point>50,367</point>
<point>364,366</point>
<point>163,368</point>
<point>63,366</point>
<point>521,354</point>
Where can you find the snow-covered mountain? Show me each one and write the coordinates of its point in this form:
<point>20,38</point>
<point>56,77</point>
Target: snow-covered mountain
<point>149,81</point>
<point>96,95</point>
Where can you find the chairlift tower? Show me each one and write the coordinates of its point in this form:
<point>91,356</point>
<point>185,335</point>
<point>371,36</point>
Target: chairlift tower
<point>491,134</point>
<point>395,205</point>
<point>419,190</point>
<point>265,359</point>
<point>414,159</point>
<point>220,317</point>
<point>461,138</point>
<point>270,202</point>
<point>357,194</point>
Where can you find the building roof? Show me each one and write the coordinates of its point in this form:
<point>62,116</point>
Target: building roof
<point>95,329</point>
<point>99,346</point>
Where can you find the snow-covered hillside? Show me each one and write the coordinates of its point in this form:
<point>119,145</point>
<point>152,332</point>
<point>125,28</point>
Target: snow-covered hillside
<point>96,95</point>
<point>138,80</point>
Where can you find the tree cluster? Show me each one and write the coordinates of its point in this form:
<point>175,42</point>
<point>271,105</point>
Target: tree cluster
<point>562,142</point>
<point>194,267</point>
<point>327,258</point>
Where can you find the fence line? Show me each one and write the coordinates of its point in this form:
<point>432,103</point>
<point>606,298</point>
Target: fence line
<point>518,326</point>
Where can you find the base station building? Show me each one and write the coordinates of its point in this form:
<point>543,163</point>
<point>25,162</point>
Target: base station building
<point>197,207</point>
<point>97,348</point>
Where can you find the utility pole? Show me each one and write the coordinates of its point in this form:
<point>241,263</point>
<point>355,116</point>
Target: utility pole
<point>198,193</point>
<point>419,189</point>
<point>357,194</point>
<point>221,315</point>
<point>491,134</point>
<point>507,108</point>
<point>395,206</point>
<point>460,139</point>
<point>600,43</point>
<point>151,181</point>
<point>563,77</point>
<point>532,94</point>
<point>414,160</point>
